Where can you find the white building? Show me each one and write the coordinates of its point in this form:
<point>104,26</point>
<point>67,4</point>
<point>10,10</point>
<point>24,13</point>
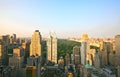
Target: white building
<point>84,48</point>
<point>52,48</point>
<point>83,52</point>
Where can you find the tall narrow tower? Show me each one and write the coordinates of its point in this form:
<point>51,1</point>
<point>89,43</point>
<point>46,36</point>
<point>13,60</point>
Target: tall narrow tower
<point>35,46</point>
<point>117,44</point>
<point>52,48</point>
<point>117,49</point>
<point>76,54</point>
<point>84,48</point>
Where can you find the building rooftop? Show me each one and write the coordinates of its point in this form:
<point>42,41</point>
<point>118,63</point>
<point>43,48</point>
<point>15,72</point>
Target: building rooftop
<point>36,30</point>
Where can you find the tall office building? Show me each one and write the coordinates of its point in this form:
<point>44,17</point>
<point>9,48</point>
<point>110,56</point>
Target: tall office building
<point>118,71</point>
<point>83,52</point>
<point>35,46</point>
<point>112,58</point>
<point>117,44</point>
<point>89,58</point>
<point>67,59</point>
<point>61,62</point>
<point>107,49</point>
<point>52,48</point>
<point>117,49</point>
<point>5,39</point>
<point>31,71</point>
<point>11,39</point>
<point>14,37</point>
<point>17,58</point>
<point>84,48</point>
<point>35,52</point>
<point>97,60</point>
<point>1,54</point>
<point>76,54</point>
<point>85,37</point>
<point>4,42</point>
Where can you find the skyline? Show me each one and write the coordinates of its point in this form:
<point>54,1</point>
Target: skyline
<point>66,18</point>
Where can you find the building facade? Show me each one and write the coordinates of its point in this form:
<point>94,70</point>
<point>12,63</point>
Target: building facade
<point>52,48</point>
<point>84,48</point>
<point>35,46</point>
<point>117,49</point>
<point>76,54</point>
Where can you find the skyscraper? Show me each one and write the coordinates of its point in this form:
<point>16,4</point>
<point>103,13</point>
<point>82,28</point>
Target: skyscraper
<point>117,44</point>
<point>52,48</point>
<point>1,54</point>
<point>84,48</point>
<point>14,37</point>
<point>3,51</point>
<point>97,60</point>
<point>35,46</point>
<point>31,71</point>
<point>76,54</point>
<point>35,51</point>
<point>117,49</point>
<point>107,49</point>
<point>67,59</point>
<point>17,58</point>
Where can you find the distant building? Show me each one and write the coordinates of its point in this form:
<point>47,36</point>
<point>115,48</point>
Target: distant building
<point>11,40</point>
<point>18,52</point>
<point>31,71</point>
<point>24,45</point>
<point>26,48</point>
<point>87,70</point>
<point>1,54</point>
<point>52,48</point>
<point>76,54</point>
<point>67,59</point>
<point>70,75</point>
<point>33,61</point>
<point>17,58</point>
<point>89,58</point>
<point>14,38</point>
<point>8,72</point>
<point>97,73</point>
<point>84,48</point>
<point>85,37</point>
<point>5,39</point>
<point>109,71</point>
<point>83,52</point>
<point>118,71</point>
<point>72,58</point>
<point>97,61</point>
<point>117,49</point>
<point>61,62</point>
<point>35,46</point>
<point>117,44</point>
<point>4,42</point>
<point>112,57</point>
<point>107,49</point>
<point>35,58</point>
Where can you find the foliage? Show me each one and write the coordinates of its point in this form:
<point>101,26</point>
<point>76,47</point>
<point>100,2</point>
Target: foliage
<point>63,46</point>
<point>66,46</point>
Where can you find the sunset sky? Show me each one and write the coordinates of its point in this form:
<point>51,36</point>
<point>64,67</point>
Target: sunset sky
<point>68,18</point>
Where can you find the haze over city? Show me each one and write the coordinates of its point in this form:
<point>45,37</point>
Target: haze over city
<point>68,18</point>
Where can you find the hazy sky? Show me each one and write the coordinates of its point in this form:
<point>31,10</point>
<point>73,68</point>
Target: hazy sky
<point>68,18</point>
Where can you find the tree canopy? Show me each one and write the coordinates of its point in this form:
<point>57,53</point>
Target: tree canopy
<point>63,46</point>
